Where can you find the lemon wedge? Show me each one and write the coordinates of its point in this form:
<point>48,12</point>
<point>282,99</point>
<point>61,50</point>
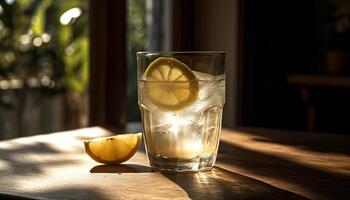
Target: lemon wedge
<point>114,149</point>
<point>170,84</point>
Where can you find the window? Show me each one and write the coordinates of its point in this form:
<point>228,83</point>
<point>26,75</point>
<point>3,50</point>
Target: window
<point>47,46</point>
<point>44,66</point>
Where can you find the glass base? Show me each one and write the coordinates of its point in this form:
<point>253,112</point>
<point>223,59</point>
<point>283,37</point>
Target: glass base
<point>161,163</point>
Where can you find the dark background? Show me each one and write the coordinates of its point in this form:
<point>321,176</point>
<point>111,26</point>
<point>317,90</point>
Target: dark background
<point>283,38</point>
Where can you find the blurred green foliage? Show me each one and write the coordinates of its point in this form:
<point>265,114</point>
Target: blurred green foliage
<point>136,41</point>
<point>26,25</point>
<point>45,39</point>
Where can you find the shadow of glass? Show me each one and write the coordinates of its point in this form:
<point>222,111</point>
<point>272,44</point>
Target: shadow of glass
<point>222,184</point>
<point>319,182</point>
<point>122,168</point>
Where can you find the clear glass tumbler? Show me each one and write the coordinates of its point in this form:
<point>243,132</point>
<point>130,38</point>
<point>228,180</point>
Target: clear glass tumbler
<point>181,97</point>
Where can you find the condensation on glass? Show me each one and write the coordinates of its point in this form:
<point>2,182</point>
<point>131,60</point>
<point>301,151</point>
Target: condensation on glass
<point>184,139</point>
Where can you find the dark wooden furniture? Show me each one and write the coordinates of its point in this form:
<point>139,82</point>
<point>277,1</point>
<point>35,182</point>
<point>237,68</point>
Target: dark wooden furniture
<point>319,80</point>
<point>107,89</point>
<point>251,165</point>
<point>324,83</point>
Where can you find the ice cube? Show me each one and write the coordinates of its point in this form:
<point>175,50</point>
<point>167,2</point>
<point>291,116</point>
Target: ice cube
<point>177,140</point>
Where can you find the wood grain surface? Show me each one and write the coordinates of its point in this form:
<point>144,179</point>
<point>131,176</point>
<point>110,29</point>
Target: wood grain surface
<point>251,165</point>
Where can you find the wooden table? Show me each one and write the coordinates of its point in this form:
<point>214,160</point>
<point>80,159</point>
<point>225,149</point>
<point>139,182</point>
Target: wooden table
<point>251,165</point>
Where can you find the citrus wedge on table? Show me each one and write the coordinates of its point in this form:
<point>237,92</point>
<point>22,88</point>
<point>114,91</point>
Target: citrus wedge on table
<point>114,149</point>
<point>170,84</point>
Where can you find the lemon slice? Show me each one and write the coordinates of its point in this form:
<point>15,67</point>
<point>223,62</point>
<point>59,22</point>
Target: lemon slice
<point>113,150</point>
<point>170,84</point>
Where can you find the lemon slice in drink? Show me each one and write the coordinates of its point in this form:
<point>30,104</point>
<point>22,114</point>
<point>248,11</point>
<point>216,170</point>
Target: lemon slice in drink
<point>114,149</point>
<point>170,84</point>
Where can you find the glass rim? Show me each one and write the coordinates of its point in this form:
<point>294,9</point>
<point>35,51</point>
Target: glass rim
<point>181,52</point>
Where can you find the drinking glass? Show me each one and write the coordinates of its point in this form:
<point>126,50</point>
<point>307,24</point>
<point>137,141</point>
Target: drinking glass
<point>181,97</point>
